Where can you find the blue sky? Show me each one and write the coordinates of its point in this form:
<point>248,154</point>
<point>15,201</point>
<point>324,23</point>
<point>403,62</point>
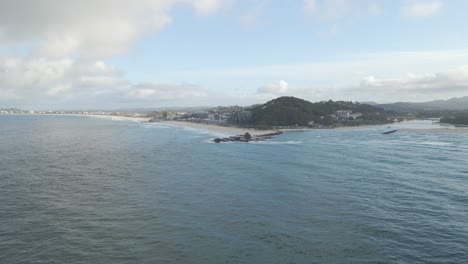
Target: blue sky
<point>210,52</point>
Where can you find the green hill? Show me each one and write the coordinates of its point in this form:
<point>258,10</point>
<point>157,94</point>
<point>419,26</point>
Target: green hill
<point>456,119</point>
<point>291,111</point>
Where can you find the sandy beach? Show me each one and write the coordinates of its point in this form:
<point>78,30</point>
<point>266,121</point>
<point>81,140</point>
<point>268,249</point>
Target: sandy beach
<point>238,131</point>
<point>113,117</point>
<point>220,129</point>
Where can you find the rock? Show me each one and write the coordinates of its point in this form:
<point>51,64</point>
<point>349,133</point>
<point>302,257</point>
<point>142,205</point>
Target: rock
<point>247,137</point>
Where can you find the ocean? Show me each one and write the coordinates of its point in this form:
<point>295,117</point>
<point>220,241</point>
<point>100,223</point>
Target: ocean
<point>88,190</point>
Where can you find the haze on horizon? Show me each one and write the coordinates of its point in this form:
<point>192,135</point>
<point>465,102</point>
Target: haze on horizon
<point>113,54</point>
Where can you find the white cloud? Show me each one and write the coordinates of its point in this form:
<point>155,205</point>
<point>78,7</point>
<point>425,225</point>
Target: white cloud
<point>162,91</point>
<point>208,7</point>
<point>63,45</point>
<point>280,87</point>
<point>65,83</point>
<point>406,87</point>
<point>62,88</point>
<point>15,72</point>
<point>341,77</point>
<point>89,28</point>
<point>421,8</point>
<point>443,82</point>
<point>97,29</point>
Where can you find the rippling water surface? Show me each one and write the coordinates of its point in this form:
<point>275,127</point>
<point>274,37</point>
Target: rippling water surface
<point>84,190</point>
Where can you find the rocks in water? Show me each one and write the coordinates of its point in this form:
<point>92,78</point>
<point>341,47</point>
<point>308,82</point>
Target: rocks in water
<point>390,132</point>
<point>154,119</point>
<point>247,137</point>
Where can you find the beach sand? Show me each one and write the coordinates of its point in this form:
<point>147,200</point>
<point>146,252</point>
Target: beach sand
<point>113,117</point>
<point>221,129</point>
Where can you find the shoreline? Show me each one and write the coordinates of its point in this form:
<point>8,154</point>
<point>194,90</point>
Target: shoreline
<point>220,129</point>
<point>115,117</point>
<point>436,130</point>
<point>232,131</point>
<point>254,132</point>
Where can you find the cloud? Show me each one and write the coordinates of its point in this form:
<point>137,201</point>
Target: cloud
<point>421,8</point>
<point>407,87</point>
<point>280,87</point>
<point>15,72</point>
<point>64,45</point>
<point>208,7</point>
<point>65,83</point>
<point>96,29</point>
<point>443,82</point>
<point>163,92</point>
<point>39,79</point>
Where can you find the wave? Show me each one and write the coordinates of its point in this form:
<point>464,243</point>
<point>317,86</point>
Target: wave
<point>424,142</point>
<point>291,142</point>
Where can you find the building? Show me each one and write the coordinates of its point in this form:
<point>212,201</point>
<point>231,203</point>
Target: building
<point>343,114</point>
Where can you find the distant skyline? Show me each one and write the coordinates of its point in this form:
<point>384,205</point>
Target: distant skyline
<point>115,54</point>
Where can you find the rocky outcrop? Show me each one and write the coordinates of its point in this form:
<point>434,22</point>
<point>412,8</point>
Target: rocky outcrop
<point>247,137</point>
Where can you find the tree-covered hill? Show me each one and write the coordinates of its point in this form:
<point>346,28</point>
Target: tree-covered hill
<point>291,111</point>
<point>460,118</point>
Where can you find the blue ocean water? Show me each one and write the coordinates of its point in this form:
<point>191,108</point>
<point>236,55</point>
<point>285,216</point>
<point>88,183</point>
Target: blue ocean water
<point>86,190</point>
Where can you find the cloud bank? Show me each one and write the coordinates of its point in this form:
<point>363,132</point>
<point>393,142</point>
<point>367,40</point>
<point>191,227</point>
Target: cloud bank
<point>56,53</point>
<point>64,45</point>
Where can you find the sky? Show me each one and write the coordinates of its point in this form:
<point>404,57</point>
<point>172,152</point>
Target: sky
<point>116,54</point>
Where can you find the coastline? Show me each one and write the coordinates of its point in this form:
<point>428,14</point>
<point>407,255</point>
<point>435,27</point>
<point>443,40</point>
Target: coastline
<point>114,117</point>
<point>232,131</point>
<point>254,132</point>
<point>436,130</point>
<point>221,129</point>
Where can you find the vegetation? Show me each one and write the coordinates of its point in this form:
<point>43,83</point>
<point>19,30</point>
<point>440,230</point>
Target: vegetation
<point>195,115</point>
<point>460,118</point>
<point>453,104</point>
<point>291,111</point>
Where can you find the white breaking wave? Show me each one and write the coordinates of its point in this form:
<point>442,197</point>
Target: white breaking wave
<point>277,142</point>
